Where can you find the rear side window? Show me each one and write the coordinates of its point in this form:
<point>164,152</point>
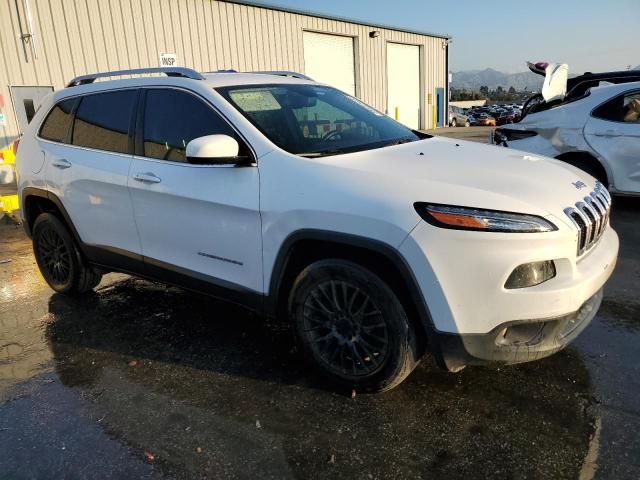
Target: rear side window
<point>102,121</point>
<point>624,108</point>
<point>56,125</point>
<point>172,119</point>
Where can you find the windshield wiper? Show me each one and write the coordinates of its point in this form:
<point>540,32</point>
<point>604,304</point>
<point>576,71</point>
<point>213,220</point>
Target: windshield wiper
<point>321,153</point>
<point>399,142</point>
<point>356,148</point>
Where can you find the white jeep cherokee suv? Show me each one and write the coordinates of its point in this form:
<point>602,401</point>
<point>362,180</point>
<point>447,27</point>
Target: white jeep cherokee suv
<point>293,199</point>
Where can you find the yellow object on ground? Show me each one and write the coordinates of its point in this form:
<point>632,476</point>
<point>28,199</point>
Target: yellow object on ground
<point>8,155</point>
<point>9,203</point>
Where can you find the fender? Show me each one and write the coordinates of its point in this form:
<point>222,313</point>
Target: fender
<point>39,192</point>
<point>390,253</point>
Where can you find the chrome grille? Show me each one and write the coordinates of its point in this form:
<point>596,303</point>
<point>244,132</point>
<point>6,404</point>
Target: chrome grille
<point>591,217</point>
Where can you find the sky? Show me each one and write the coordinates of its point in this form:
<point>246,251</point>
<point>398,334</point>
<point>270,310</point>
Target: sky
<point>589,35</point>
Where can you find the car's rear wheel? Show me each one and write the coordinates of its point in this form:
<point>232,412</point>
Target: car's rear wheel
<point>589,165</point>
<point>352,326</point>
<point>58,258</point>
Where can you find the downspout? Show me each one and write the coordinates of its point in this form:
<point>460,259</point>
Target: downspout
<point>445,114</point>
<point>29,37</point>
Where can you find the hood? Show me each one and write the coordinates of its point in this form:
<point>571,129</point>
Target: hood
<point>555,79</point>
<point>446,171</point>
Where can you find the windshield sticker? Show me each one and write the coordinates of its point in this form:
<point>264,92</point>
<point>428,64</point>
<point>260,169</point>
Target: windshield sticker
<point>255,100</point>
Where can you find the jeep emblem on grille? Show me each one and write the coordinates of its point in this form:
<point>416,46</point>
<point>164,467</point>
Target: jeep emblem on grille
<point>579,184</point>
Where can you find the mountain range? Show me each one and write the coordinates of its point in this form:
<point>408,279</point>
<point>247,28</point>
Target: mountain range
<point>474,79</point>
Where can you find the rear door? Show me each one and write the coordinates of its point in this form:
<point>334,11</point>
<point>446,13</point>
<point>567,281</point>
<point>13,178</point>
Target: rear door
<point>202,221</point>
<point>87,167</point>
<point>613,131</point>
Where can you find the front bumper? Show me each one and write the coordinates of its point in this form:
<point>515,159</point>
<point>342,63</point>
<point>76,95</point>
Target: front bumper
<point>516,342</point>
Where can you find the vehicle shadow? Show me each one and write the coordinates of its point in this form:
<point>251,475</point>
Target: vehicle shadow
<point>172,372</point>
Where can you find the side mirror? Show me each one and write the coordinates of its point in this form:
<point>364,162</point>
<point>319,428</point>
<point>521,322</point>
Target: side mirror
<point>213,149</point>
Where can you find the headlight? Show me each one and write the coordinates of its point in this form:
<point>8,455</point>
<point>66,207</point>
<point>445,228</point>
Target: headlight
<point>466,218</point>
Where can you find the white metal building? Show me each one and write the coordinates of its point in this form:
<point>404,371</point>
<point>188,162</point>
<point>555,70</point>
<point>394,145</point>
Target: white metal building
<point>45,43</point>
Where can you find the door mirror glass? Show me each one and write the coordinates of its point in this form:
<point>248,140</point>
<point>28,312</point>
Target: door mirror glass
<point>213,149</point>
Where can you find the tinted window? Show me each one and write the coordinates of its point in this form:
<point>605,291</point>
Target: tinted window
<point>57,124</point>
<point>631,108</point>
<point>172,119</point>
<point>625,108</point>
<point>102,121</point>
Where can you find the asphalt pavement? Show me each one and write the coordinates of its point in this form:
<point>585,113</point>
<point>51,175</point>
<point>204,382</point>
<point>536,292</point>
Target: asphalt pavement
<point>141,380</point>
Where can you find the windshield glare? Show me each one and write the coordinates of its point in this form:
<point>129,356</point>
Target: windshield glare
<point>314,120</point>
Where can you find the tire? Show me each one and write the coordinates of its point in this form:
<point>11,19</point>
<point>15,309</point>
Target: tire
<point>352,326</point>
<point>454,123</point>
<point>467,123</point>
<point>59,259</point>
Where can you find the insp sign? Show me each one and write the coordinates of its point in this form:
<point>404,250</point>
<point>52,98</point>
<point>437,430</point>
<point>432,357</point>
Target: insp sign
<point>168,60</point>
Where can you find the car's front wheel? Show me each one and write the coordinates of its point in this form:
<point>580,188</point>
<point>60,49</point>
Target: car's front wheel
<point>352,326</point>
<point>454,123</point>
<point>58,258</point>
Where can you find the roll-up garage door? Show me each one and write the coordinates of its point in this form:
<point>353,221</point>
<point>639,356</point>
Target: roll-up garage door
<point>403,83</point>
<point>329,59</point>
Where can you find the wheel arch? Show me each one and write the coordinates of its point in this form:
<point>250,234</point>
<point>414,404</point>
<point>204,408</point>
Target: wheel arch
<point>36,201</point>
<point>303,247</point>
<point>578,157</point>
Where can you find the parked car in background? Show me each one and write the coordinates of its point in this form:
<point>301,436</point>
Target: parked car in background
<point>485,120</point>
<point>457,118</point>
<point>472,119</point>
<point>376,242</point>
<point>505,116</point>
<point>597,130</point>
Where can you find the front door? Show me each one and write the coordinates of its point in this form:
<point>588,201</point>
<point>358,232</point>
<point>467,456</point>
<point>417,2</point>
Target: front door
<point>613,131</point>
<point>26,101</point>
<point>202,221</point>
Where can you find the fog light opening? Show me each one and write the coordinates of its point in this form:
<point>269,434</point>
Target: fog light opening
<point>531,274</point>
<point>524,334</point>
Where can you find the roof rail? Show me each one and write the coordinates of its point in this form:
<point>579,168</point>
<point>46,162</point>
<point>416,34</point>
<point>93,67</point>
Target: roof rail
<point>169,71</point>
<point>285,73</point>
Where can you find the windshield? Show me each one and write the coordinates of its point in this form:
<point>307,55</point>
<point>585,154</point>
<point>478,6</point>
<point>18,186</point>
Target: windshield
<point>313,120</point>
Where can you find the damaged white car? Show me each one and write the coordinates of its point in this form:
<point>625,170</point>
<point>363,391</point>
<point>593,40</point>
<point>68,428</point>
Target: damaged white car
<point>591,121</point>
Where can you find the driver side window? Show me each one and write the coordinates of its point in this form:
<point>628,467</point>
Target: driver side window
<point>172,118</point>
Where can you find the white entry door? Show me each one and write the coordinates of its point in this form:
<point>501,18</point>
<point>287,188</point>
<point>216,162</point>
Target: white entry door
<point>329,59</point>
<point>26,101</point>
<point>403,83</point>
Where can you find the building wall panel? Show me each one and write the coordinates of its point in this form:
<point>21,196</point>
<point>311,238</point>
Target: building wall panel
<point>75,37</point>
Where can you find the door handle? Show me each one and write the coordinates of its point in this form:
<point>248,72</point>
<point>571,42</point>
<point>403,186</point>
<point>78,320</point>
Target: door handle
<point>146,178</point>
<point>606,133</point>
<point>61,163</point>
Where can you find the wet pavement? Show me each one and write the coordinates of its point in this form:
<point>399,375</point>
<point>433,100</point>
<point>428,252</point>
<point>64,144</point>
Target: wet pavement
<point>140,380</point>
